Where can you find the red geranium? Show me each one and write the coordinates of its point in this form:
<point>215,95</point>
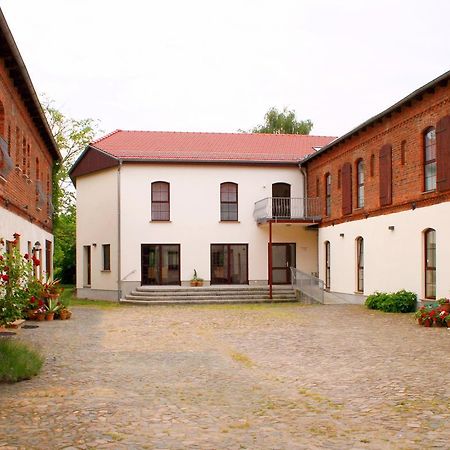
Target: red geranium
<point>5,277</point>
<point>26,256</point>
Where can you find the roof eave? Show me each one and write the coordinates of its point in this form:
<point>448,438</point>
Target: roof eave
<point>37,115</point>
<point>420,91</point>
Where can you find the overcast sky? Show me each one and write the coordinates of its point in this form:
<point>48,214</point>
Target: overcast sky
<point>219,65</point>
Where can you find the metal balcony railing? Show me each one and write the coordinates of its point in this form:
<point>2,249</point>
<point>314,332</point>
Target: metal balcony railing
<point>286,208</point>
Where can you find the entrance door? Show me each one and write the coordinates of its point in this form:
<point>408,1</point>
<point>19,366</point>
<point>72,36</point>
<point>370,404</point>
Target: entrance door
<point>160,264</point>
<point>281,201</point>
<point>283,257</point>
<point>229,264</point>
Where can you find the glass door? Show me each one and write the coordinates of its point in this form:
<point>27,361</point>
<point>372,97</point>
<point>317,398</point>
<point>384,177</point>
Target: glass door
<point>160,264</point>
<point>229,263</point>
<point>281,201</point>
<point>283,258</point>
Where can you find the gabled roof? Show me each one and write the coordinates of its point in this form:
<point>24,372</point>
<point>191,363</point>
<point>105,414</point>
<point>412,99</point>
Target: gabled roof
<point>162,146</point>
<point>442,80</point>
<point>18,72</point>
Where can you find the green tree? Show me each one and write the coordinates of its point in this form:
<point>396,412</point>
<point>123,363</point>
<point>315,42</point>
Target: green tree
<point>283,122</point>
<point>72,136</point>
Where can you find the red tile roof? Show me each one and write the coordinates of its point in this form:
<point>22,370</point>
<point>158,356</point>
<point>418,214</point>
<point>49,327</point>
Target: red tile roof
<point>210,147</point>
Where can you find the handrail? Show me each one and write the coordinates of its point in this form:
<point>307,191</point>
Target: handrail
<point>309,285</point>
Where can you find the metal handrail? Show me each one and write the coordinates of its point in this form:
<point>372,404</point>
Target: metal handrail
<point>310,285</point>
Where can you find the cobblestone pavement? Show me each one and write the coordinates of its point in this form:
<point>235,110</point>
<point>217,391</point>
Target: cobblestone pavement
<point>232,377</point>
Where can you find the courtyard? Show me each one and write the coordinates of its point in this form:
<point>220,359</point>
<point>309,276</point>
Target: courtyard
<point>213,377</point>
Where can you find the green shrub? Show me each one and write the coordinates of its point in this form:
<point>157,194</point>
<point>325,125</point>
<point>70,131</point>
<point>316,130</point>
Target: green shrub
<point>375,301</point>
<point>18,361</point>
<point>401,301</point>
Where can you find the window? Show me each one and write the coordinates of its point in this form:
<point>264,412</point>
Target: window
<point>2,121</point>
<point>360,183</point>
<point>430,263</point>
<point>339,178</point>
<point>327,265</point>
<point>228,202</point>
<point>106,253</point>
<point>17,147</point>
<point>24,156</point>
<point>160,201</point>
<point>328,194</point>
<point>385,174</point>
<point>429,143</point>
<point>360,264</point>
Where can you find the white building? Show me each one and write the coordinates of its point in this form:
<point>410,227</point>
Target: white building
<point>152,207</point>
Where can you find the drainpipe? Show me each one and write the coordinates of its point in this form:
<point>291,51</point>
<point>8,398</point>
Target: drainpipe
<point>119,244</point>
<point>305,188</point>
<point>270,260</point>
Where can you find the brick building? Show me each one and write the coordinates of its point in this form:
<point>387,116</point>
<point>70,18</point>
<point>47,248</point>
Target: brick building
<point>27,154</point>
<point>385,190</point>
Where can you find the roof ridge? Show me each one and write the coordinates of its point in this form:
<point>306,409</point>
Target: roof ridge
<point>96,141</point>
<point>212,132</point>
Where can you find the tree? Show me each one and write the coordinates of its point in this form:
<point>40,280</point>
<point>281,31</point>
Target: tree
<point>72,136</point>
<point>283,122</point>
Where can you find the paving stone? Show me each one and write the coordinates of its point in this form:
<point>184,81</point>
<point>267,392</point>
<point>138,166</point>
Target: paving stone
<point>230,377</point>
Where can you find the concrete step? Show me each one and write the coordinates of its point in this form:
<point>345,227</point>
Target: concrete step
<point>239,288</point>
<point>196,293</point>
<point>218,301</point>
<point>134,297</point>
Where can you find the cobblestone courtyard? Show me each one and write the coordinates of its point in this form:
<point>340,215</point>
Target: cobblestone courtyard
<point>259,377</point>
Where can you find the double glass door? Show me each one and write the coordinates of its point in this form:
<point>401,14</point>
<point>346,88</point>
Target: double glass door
<point>229,263</point>
<point>160,264</point>
<point>283,258</point>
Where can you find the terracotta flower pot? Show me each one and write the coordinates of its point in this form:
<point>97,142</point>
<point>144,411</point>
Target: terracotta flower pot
<point>31,314</point>
<point>427,323</point>
<point>64,314</point>
<point>40,316</point>
<point>50,316</point>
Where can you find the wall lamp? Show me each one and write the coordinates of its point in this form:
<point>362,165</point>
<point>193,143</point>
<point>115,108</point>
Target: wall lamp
<point>37,246</point>
<point>341,235</point>
<point>391,227</point>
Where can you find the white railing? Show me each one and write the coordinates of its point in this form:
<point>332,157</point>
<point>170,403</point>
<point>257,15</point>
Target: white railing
<point>309,285</point>
<point>285,208</point>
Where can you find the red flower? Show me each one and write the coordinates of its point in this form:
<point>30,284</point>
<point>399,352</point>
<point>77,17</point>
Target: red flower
<point>1,258</point>
<point>6,268</point>
<point>32,299</point>
<point>16,235</point>
<point>26,256</point>
<point>5,277</point>
<point>36,262</point>
<point>40,303</point>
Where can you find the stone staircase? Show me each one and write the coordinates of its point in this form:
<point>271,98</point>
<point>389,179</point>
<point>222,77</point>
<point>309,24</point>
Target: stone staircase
<point>208,295</point>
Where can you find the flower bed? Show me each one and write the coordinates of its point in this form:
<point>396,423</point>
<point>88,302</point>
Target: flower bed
<point>434,314</point>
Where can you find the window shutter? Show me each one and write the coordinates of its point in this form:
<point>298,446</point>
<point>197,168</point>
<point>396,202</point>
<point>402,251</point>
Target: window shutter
<point>443,154</point>
<point>386,175</point>
<point>347,188</point>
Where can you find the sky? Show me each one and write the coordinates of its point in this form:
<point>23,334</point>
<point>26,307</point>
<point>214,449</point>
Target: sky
<point>219,65</point>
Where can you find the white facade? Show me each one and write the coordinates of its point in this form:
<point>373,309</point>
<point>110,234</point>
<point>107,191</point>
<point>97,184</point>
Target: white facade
<point>393,259</point>
<point>30,234</point>
<point>194,221</point>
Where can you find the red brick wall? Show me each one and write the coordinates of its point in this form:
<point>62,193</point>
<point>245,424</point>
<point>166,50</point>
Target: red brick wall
<point>407,127</point>
<point>18,189</point>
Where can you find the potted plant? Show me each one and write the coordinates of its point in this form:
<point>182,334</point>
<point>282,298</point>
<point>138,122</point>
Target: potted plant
<point>52,289</point>
<point>195,280</point>
<point>52,307</point>
<point>444,304</point>
<point>440,319</point>
<point>40,311</point>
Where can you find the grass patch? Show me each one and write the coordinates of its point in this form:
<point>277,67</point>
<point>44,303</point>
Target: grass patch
<point>68,299</point>
<point>18,361</point>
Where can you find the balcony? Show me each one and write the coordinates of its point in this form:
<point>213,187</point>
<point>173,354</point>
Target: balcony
<point>286,209</point>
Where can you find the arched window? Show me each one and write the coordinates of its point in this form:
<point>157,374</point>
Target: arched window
<point>281,200</point>
<point>328,194</point>
<point>327,265</point>
<point>228,202</point>
<point>429,144</point>
<point>430,263</point>
<point>403,153</point>
<point>160,201</point>
<point>360,264</point>
<point>372,165</point>
<point>360,183</point>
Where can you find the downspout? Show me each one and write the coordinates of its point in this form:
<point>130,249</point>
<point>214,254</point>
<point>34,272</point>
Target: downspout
<point>119,244</point>
<point>305,187</point>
